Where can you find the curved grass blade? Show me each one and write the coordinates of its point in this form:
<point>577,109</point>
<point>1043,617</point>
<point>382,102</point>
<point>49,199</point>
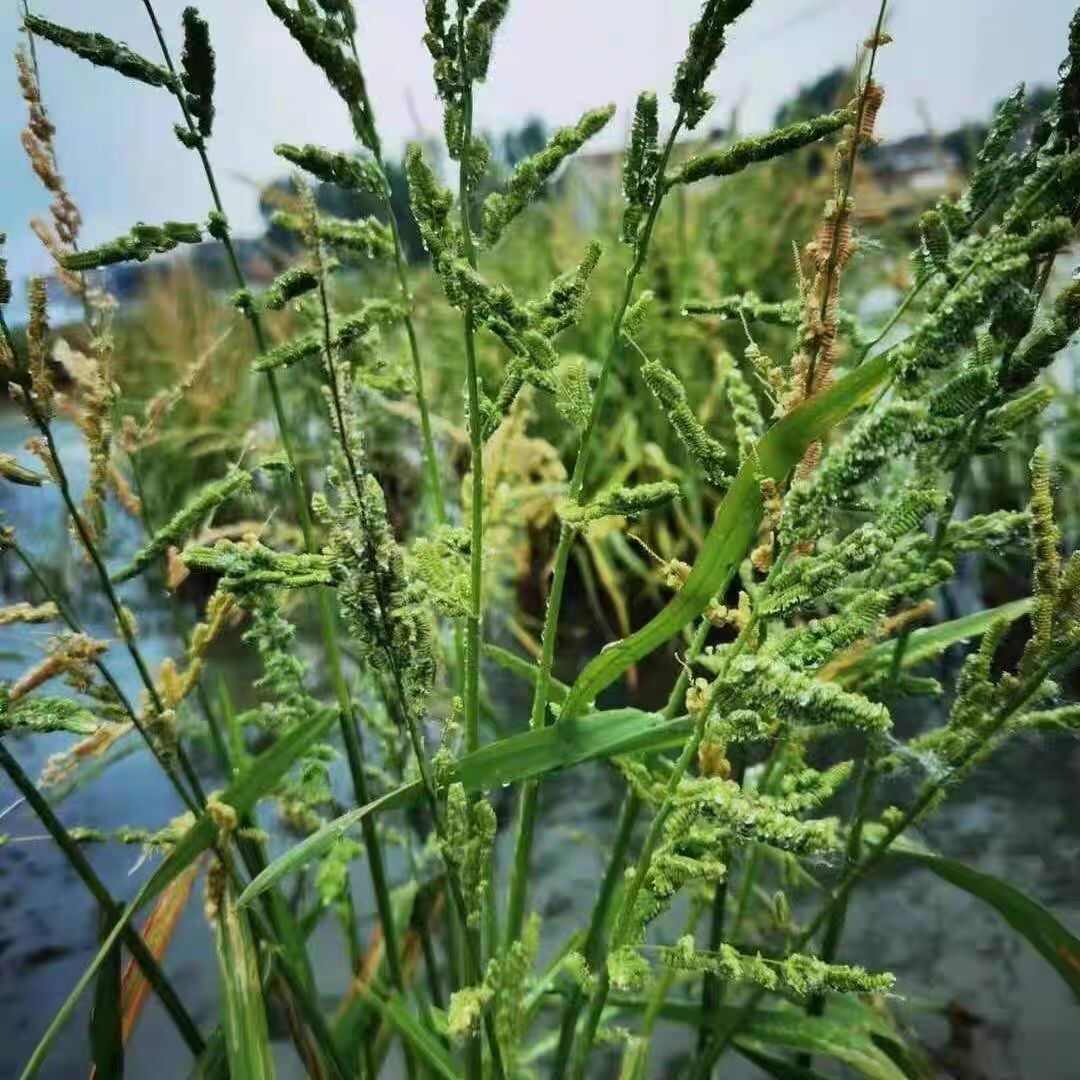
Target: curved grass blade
<point>931,641</point>
<point>1057,945</point>
<point>427,1047</point>
<point>527,756</point>
<point>106,1019</point>
<point>213,1062</point>
<point>157,932</point>
<point>524,669</point>
<point>242,794</point>
<point>778,1067</point>
<point>733,529</point>
<point>846,1041</point>
<point>247,1038</point>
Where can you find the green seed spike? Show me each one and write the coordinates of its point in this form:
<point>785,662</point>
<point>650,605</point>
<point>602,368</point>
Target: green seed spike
<point>142,242</point>
<point>769,687</point>
<point>344,332</point>
<point>564,303</point>
<point>431,203</point>
<point>42,715</point>
<point>101,51</point>
<point>700,445</point>
<point>1045,553</point>
<point>745,412</point>
<point>706,45</point>
<point>254,569</point>
<point>341,71</point>
<point>745,152</point>
<point>749,307</point>
<point>799,973</point>
<point>294,282</point>
<point>529,176</point>
<point>935,239</point>
<point>480,36</point>
<point>233,483</point>
<point>1004,422</point>
<point>367,238</point>
<point>621,502</point>
<point>199,67</point>
<point>332,167</point>
<point>991,167</point>
<point>640,168</point>
<point>1039,347</point>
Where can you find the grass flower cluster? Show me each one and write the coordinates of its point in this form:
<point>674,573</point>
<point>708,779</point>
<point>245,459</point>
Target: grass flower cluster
<point>805,506</point>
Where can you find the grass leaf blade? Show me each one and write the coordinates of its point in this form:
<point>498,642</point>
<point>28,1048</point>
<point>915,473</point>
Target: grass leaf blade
<point>106,1019</point>
<point>1042,930</point>
<point>422,1041</point>
<point>733,529</point>
<point>247,1038</point>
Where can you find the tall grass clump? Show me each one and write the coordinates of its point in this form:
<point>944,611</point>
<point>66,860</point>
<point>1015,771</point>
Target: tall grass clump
<point>819,501</point>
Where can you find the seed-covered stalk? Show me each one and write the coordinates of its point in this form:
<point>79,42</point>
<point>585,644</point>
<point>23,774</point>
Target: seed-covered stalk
<point>931,794</point>
<point>527,805</point>
<point>629,814</point>
<point>473,952</point>
<point>141,954</point>
<point>624,920</point>
<point>867,771</point>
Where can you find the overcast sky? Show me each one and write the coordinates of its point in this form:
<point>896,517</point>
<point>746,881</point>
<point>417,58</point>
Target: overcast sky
<point>950,61</point>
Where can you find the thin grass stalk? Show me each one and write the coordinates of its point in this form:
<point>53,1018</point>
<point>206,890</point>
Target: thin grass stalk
<point>527,806</point>
<point>584,1042</point>
<point>712,986</point>
<point>141,954</point>
<point>474,949</point>
<point>628,817</point>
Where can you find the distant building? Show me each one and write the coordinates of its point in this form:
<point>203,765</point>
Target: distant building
<point>920,163</point>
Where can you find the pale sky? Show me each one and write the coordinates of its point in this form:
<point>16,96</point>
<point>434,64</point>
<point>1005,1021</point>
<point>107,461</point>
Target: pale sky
<point>553,58</point>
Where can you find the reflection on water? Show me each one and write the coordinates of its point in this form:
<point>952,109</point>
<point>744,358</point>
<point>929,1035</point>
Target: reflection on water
<point>1018,818</point>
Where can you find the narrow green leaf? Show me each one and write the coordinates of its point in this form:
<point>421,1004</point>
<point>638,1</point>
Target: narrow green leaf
<point>932,641</point>
<point>524,669</point>
<point>526,756</point>
<point>423,1042</point>
<point>242,794</point>
<point>778,1067</point>
<point>213,1062</point>
<point>106,1018</point>
<point>1059,947</point>
<point>845,1041</point>
<point>247,1039</point>
<point>733,529</point>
